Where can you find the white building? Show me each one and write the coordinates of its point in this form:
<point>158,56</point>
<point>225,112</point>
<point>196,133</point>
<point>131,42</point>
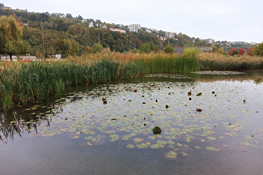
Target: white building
<point>61,15</point>
<point>169,34</point>
<point>163,38</point>
<point>134,27</point>
<point>210,41</point>
<point>91,24</point>
<point>118,30</point>
<point>154,30</point>
<point>104,26</point>
<point>148,30</point>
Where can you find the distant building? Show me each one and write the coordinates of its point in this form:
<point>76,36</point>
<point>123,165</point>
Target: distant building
<point>163,38</point>
<point>210,41</point>
<point>148,30</point>
<point>91,24</point>
<point>169,34</point>
<point>104,26</point>
<point>61,15</point>
<point>134,27</point>
<point>154,30</point>
<point>118,30</point>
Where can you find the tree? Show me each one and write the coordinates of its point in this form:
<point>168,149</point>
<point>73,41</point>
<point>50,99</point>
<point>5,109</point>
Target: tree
<point>71,47</point>
<point>79,17</point>
<point>169,49</point>
<point>259,50</point>
<point>69,16</point>
<point>11,37</point>
<point>97,47</point>
<point>233,52</point>
<point>250,51</point>
<point>2,5</point>
<point>241,51</point>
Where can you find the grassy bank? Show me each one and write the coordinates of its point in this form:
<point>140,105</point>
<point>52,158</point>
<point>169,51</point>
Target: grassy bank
<point>29,82</point>
<point>214,61</point>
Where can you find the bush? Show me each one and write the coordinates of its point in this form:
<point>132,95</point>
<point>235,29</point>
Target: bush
<point>233,52</point>
<point>241,51</point>
<point>169,49</point>
<point>191,52</point>
<point>259,50</point>
<point>250,51</point>
<point>96,47</point>
<point>148,47</point>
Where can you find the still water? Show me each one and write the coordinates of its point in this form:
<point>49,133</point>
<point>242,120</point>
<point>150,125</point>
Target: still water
<point>209,124</point>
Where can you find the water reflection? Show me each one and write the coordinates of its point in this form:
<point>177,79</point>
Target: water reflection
<point>18,121</point>
<point>84,135</point>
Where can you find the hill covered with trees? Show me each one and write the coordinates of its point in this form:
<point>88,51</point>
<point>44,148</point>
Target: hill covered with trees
<point>72,36</point>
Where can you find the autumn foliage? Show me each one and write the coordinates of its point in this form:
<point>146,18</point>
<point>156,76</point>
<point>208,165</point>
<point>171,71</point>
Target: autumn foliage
<point>241,51</point>
<point>232,52</point>
<point>250,51</point>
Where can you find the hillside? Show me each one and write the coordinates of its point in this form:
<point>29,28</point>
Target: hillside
<point>72,36</point>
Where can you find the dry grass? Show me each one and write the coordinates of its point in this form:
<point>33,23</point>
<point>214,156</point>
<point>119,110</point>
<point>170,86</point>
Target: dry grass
<point>217,61</point>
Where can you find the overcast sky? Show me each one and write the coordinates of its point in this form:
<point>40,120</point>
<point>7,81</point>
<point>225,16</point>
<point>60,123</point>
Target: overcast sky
<point>231,20</point>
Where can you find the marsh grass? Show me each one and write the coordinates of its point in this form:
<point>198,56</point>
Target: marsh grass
<point>214,61</point>
<point>30,82</point>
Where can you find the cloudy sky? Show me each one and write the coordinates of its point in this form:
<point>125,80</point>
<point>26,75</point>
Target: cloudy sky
<point>232,20</point>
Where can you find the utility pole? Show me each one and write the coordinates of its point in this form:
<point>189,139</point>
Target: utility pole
<point>99,36</point>
<point>43,39</point>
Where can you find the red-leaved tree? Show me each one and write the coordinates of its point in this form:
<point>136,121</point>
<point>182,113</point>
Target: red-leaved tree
<point>230,52</point>
<point>233,52</point>
<point>250,51</point>
<point>241,51</point>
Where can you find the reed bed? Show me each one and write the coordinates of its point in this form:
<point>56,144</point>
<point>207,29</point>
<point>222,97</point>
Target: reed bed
<point>215,61</point>
<point>30,82</point>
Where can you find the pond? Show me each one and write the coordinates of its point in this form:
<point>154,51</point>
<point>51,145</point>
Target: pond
<point>161,124</point>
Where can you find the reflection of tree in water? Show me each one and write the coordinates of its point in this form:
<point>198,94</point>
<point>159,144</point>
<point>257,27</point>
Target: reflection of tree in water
<point>7,130</point>
<point>14,123</point>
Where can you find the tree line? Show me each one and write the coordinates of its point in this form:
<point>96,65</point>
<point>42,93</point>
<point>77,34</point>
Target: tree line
<point>71,36</point>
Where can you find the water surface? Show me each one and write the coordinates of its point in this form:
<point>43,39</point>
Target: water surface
<point>210,124</point>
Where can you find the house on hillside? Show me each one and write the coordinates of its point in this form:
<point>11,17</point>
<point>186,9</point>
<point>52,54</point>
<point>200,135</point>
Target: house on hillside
<point>148,30</point>
<point>163,38</point>
<point>169,34</point>
<point>210,41</point>
<point>134,27</point>
<point>61,15</point>
<point>118,30</point>
<point>91,24</point>
<point>104,26</point>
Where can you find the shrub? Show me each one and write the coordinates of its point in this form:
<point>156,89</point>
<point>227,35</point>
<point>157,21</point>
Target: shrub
<point>250,51</point>
<point>169,49</point>
<point>148,47</point>
<point>191,52</point>
<point>233,52</point>
<point>241,51</point>
<point>259,50</point>
<point>96,47</point>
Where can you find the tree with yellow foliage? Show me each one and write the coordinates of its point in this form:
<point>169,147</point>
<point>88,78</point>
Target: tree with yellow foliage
<point>11,37</point>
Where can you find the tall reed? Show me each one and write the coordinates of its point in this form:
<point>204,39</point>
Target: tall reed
<point>29,82</point>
